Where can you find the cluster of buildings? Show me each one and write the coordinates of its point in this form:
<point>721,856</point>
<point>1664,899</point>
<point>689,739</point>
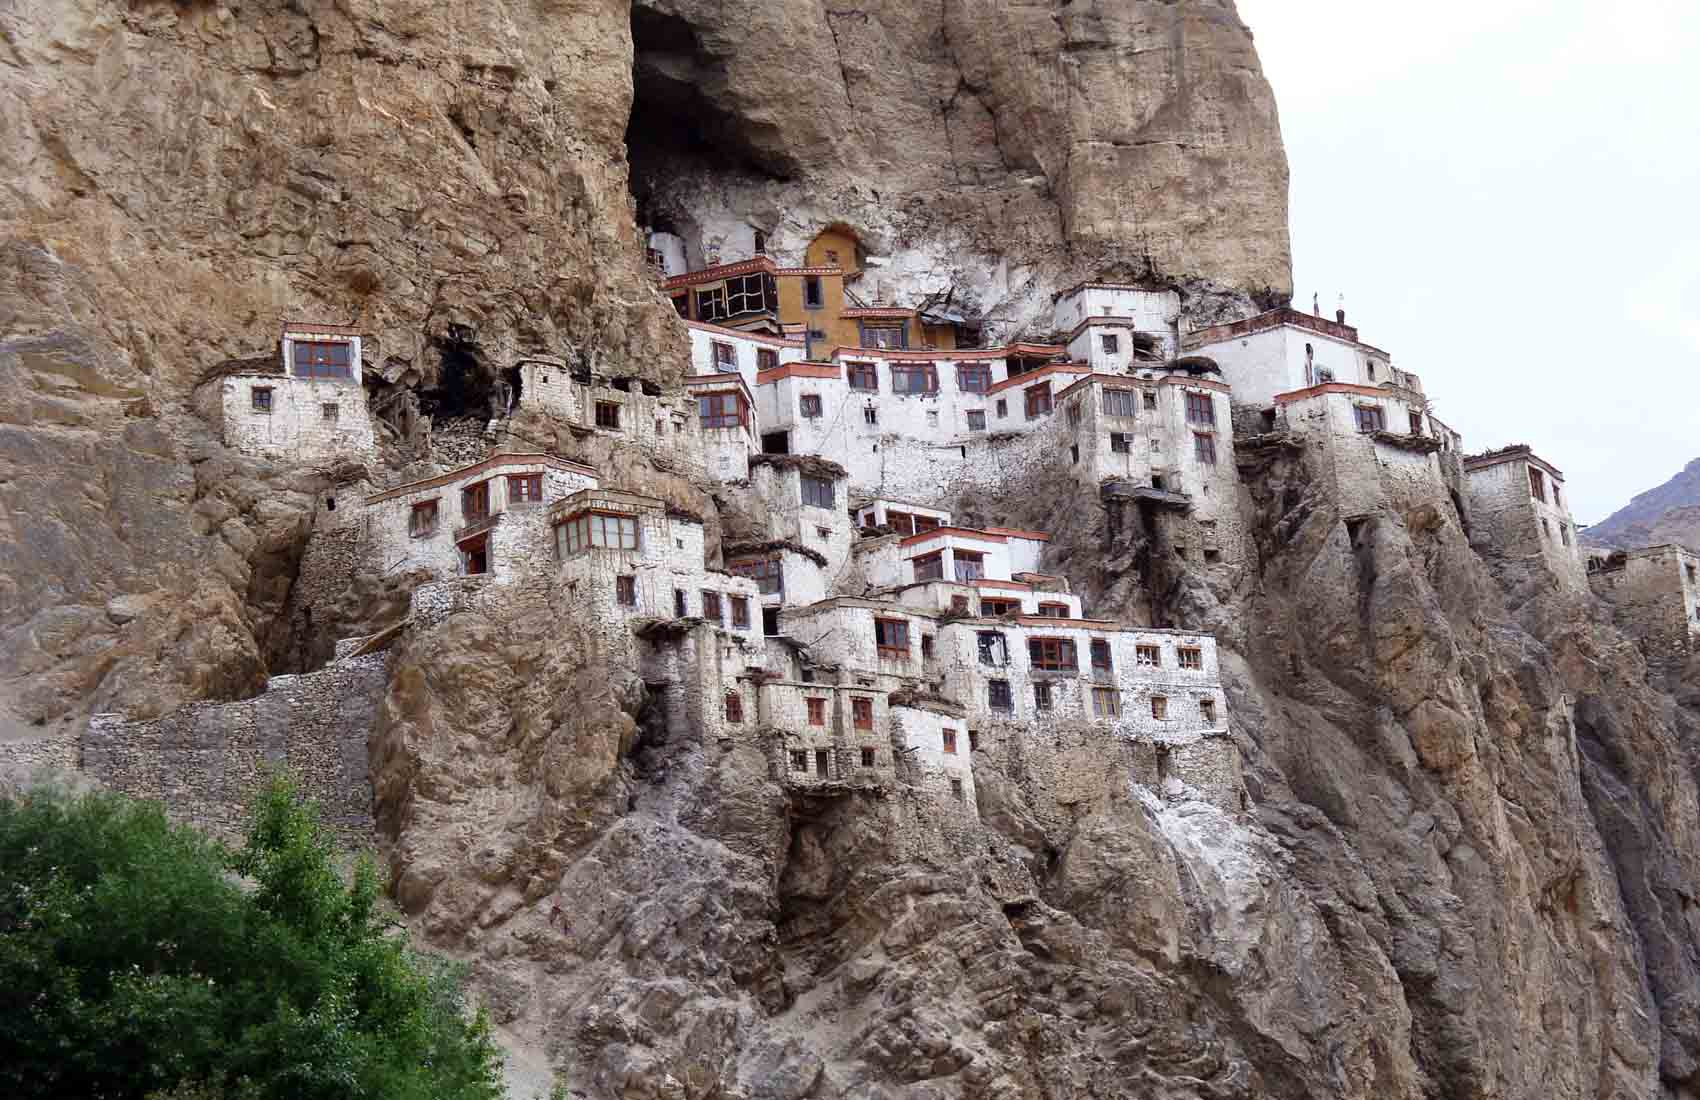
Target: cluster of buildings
<point>861,636</point>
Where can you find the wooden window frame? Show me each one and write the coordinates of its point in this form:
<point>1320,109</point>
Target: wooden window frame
<point>625,590</point>
<point>725,354</point>
<point>1200,408</point>
<point>1042,695</point>
<point>1121,443</point>
<point>928,567</point>
<point>607,414</point>
<point>711,606</point>
<point>1122,402</point>
<point>740,612</point>
<point>734,704</point>
<point>722,409</point>
<point>973,377</point>
<point>1160,708</point>
<point>895,635</point>
<point>1416,419</point>
<point>905,375</point>
<point>995,607</point>
<point>869,759</point>
<point>525,489</point>
<point>1047,654</point>
<point>817,492</point>
<point>1106,702</point>
<point>1006,704</point>
<point>809,406</point>
<point>1053,610</point>
<point>1190,657</point>
<point>1147,656</point>
<point>1537,485</point>
<point>1150,400</point>
<point>319,360</point>
<point>261,399</point>
<point>1207,711</point>
<point>420,530</point>
<point>589,529</point>
<point>1003,408</point>
<point>1100,647</point>
<point>814,294</point>
<point>1074,413</point>
<point>761,570</point>
<point>800,760</point>
<point>861,376</point>
<point>967,565</point>
<point>1204,448</point>
<point>816,708</point>
<point>1110,343</point>
<point>861,712</point>
<point>1039,400</point>
<point>479,493</point>
<point>976,420</point>
<point>947,740</point>
<point>479,545</point>
<point>766,359</point>
<point>1369,418</point>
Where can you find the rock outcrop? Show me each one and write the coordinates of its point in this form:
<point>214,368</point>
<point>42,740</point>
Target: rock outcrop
<point>1667,513</point>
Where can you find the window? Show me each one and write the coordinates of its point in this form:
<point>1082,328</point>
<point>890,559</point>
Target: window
<point>1042,695</point>
<point>1121,443</point>
<point>822,533</point>
<point>734,707</point>
<point>1110,343</point>
<point>715,410</point>
<point>761,243</point>
<point>1546,529</point>
<point>949,738</point>
<point>977,420</point>
<point>817,711</point>
<point>1207,711</point>
<point>475,555</point>
<point>657,261</point>
<point>862,714</point>
<point>973,740</point>
<point>926,647</point>
<point>870,415</point>
<point>811,292</point>
<point>973,378</point>
<point>929,567</point>
<point>725,355</point>
<point>1038,400</point>
<point>914,378</point>
<point>832,256</point>
<point>741,612</point>
<point>1003,408</point>
<point>603,529</point>
<point>1052,654</point>
<point>608,415</point>
<point>991,608</point>
<point>862,376</point>
<point>322,358</point>
<point>997,695</point>
<point>766,359</point>
<point>681,604</point>
<point>423,521</point>
<point>1106,702</point>
<point>970,566</point>
<point>1159,707</point>
<point>1564,533</point>
<point>956,789</point>
<point>1074,414</point>
<point>891,637</point>
<point>1150,400</point>
<point>994,651</point>
<point>525,488</point>
<point>1555,501</point>
<point>1191,657</point>
<point>1074,453</point>
<point>800,760</point>
<point>1101,655</point>
<point>959,605</point>
<point>884,335</point>
<point>817,491</point>
<point>1200,409</point>
<point>1537,484</point>
<point>1370,418</point>
<point>1204,448</point>
<point>625,590</point>
<point>932,418</point>
<point>1147,656</point>
<point>809,406</point>
<point>475,502</point>
<point>823,762</point>
<point>764,571</point>
<point>328,412</point>
<point>260,399</point>
<point>867,758</point>
<point>1119,402</point>
<point>1054,610</point>
<point>1416,423</point>
<point>711,606</point>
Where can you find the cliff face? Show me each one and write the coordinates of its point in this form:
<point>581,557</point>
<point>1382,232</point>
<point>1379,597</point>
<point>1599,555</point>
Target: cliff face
<point>1668,513</point>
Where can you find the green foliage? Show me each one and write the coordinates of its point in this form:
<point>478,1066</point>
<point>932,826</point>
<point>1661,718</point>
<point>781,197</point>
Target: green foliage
<point>135,963</point>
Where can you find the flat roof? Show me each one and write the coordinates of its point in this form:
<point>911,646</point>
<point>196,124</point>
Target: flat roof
<point>740,334</point>
<point>493,462</point>
<point>1512,453</point>
<point>1272,319</point>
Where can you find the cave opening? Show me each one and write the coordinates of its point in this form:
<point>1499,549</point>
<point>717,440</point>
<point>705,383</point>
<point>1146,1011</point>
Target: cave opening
<point>465,385</point>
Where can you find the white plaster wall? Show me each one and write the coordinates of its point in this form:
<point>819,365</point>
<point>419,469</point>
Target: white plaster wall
<point>995,563</point>
<point>1258,366</point>
<point>1367,475</point>
<point>920,734</point>
<point>1025,554</point>
<point>875,512</point>
<point>296,429</point>
<point>1505,517</point>
<point>744,347</point>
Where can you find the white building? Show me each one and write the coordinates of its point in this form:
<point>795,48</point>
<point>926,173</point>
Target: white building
<point>307,406</point>
<point>1117,328</point>
<point>718,350</point>
<point>1284,350</point>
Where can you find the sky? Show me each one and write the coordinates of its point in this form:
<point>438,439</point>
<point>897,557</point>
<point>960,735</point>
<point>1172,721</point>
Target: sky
<point>1508,195</point>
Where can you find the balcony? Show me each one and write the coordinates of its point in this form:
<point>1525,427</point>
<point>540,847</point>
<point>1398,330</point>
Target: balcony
<point>478,525</point>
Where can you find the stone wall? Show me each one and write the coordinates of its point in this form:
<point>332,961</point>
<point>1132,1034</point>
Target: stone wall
<point>1656,592</point>
<point>297,425</point>
<point>1507,521</point>
<point>206,760</point>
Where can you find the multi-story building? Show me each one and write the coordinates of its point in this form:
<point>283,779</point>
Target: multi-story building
<point>1518,510</point>
<point>1656,590</point>
<point>305,404</point>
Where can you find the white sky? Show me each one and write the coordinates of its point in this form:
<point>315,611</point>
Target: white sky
<point>1506,191</point>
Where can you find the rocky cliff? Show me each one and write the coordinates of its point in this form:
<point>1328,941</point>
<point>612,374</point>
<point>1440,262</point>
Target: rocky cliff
<point>1466,864</point>
<point>1667,513</point>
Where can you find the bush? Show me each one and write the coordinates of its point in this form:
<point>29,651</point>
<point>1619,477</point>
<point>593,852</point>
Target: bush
<point>134,962</point>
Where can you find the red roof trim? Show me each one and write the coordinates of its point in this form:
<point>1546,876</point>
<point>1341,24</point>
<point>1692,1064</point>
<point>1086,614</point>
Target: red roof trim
<point>754,337</point>
<point>1048,371</point>
<point>802,369</point>
<point>1017,533</point>
<point>947,355</point>
<point>488,465</point>
<point>895,312</point>
<point>1351,388</point>
<point>720,271</point>
<point>960,532</point>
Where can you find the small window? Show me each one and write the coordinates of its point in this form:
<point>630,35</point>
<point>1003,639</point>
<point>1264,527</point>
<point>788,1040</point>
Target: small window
<point>725,356</point>
<point>1416,423</point>
<point>812,298</point>
<point>949,737</point>
<point>823,762</point>
<point>973,740</point>
<point>932,418</point>
<point>1074,454</point>
<point>862,714</point>
<point>1159,707</point>
<point>1074,414</point>
<point>870,415</point>
<point>1372,370</point>
<point>761,243</point>
<point>1204,448</point>
<point>328,412</point>
<point>929,567</point>
<point>1106,702</point>
<point>1207,711</point>
<point>867,758</point>
<point>993,608</point>
<point>926,647</point>
<point>625,591</point>
<point>1003,408</point>
<point>956,791</point>
<point>525,488</point>
<point>1370,418</point>
<point>809,406</point>
<point>766,359</point>
<point>817,711</point>
<point>1200,409</point>
<point>1537,484</point>
<point>959,605</point>
<point>974,378</point>
<point>475,502</point>
<point>997,695</point>
<point>1121,443</point>
<point>1110,342</point>
<point>891,637</point>
<point>423,521</point>
<point>817,492</point>
<point>862,376</point>
<point>1042,695</point>
<point>800,760</point>
<point>822,533</point>
<point>681,604</point>
<point>475,555</point>
<point>1150,400</point>
<point>1564,533</point>
<point>711,606</point>
<point>1052,654</point>
<point>1054,610</point>
<point>994,651</point>
<point>1101,655</point>
<point>1039,400</point>
<point>741,612</point>
<point>977,420</point>
<point>734,707</point>
<point>608,415</point>
<point>260,399</point>
<point>1556,502</point>
<point>1147,656</point>
<point>1546,529</point>
<point>1191,657</point>
<point>1120,402</point>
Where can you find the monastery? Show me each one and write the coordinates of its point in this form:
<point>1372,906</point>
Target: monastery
<point>862,636</point>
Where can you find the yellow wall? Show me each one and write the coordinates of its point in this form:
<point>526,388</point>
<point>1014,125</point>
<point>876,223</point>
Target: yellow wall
<point>839,331</point>
<point>835,239</point>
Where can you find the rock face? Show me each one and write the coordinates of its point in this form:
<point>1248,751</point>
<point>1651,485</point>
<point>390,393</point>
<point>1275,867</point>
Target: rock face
<point>1467,863</point>
<point>1668,513</point>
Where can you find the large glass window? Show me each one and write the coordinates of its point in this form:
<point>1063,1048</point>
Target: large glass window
<point>914,378</point>
<point>721,410</point>
<point>764,571</point>
<point>323,358</point>
<point>587,529</point>
<point>1119,402</point>
<point>1200,409</point>
<point>817,491</point>
<point>1052,654</point>
<point>974,378</point>
<point>862,376</point>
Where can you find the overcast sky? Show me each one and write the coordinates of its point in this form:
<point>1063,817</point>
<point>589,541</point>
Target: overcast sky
<point>1506,193</point>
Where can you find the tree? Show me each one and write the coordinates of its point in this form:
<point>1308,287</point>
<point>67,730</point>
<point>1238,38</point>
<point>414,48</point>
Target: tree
<point>139,958</point>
